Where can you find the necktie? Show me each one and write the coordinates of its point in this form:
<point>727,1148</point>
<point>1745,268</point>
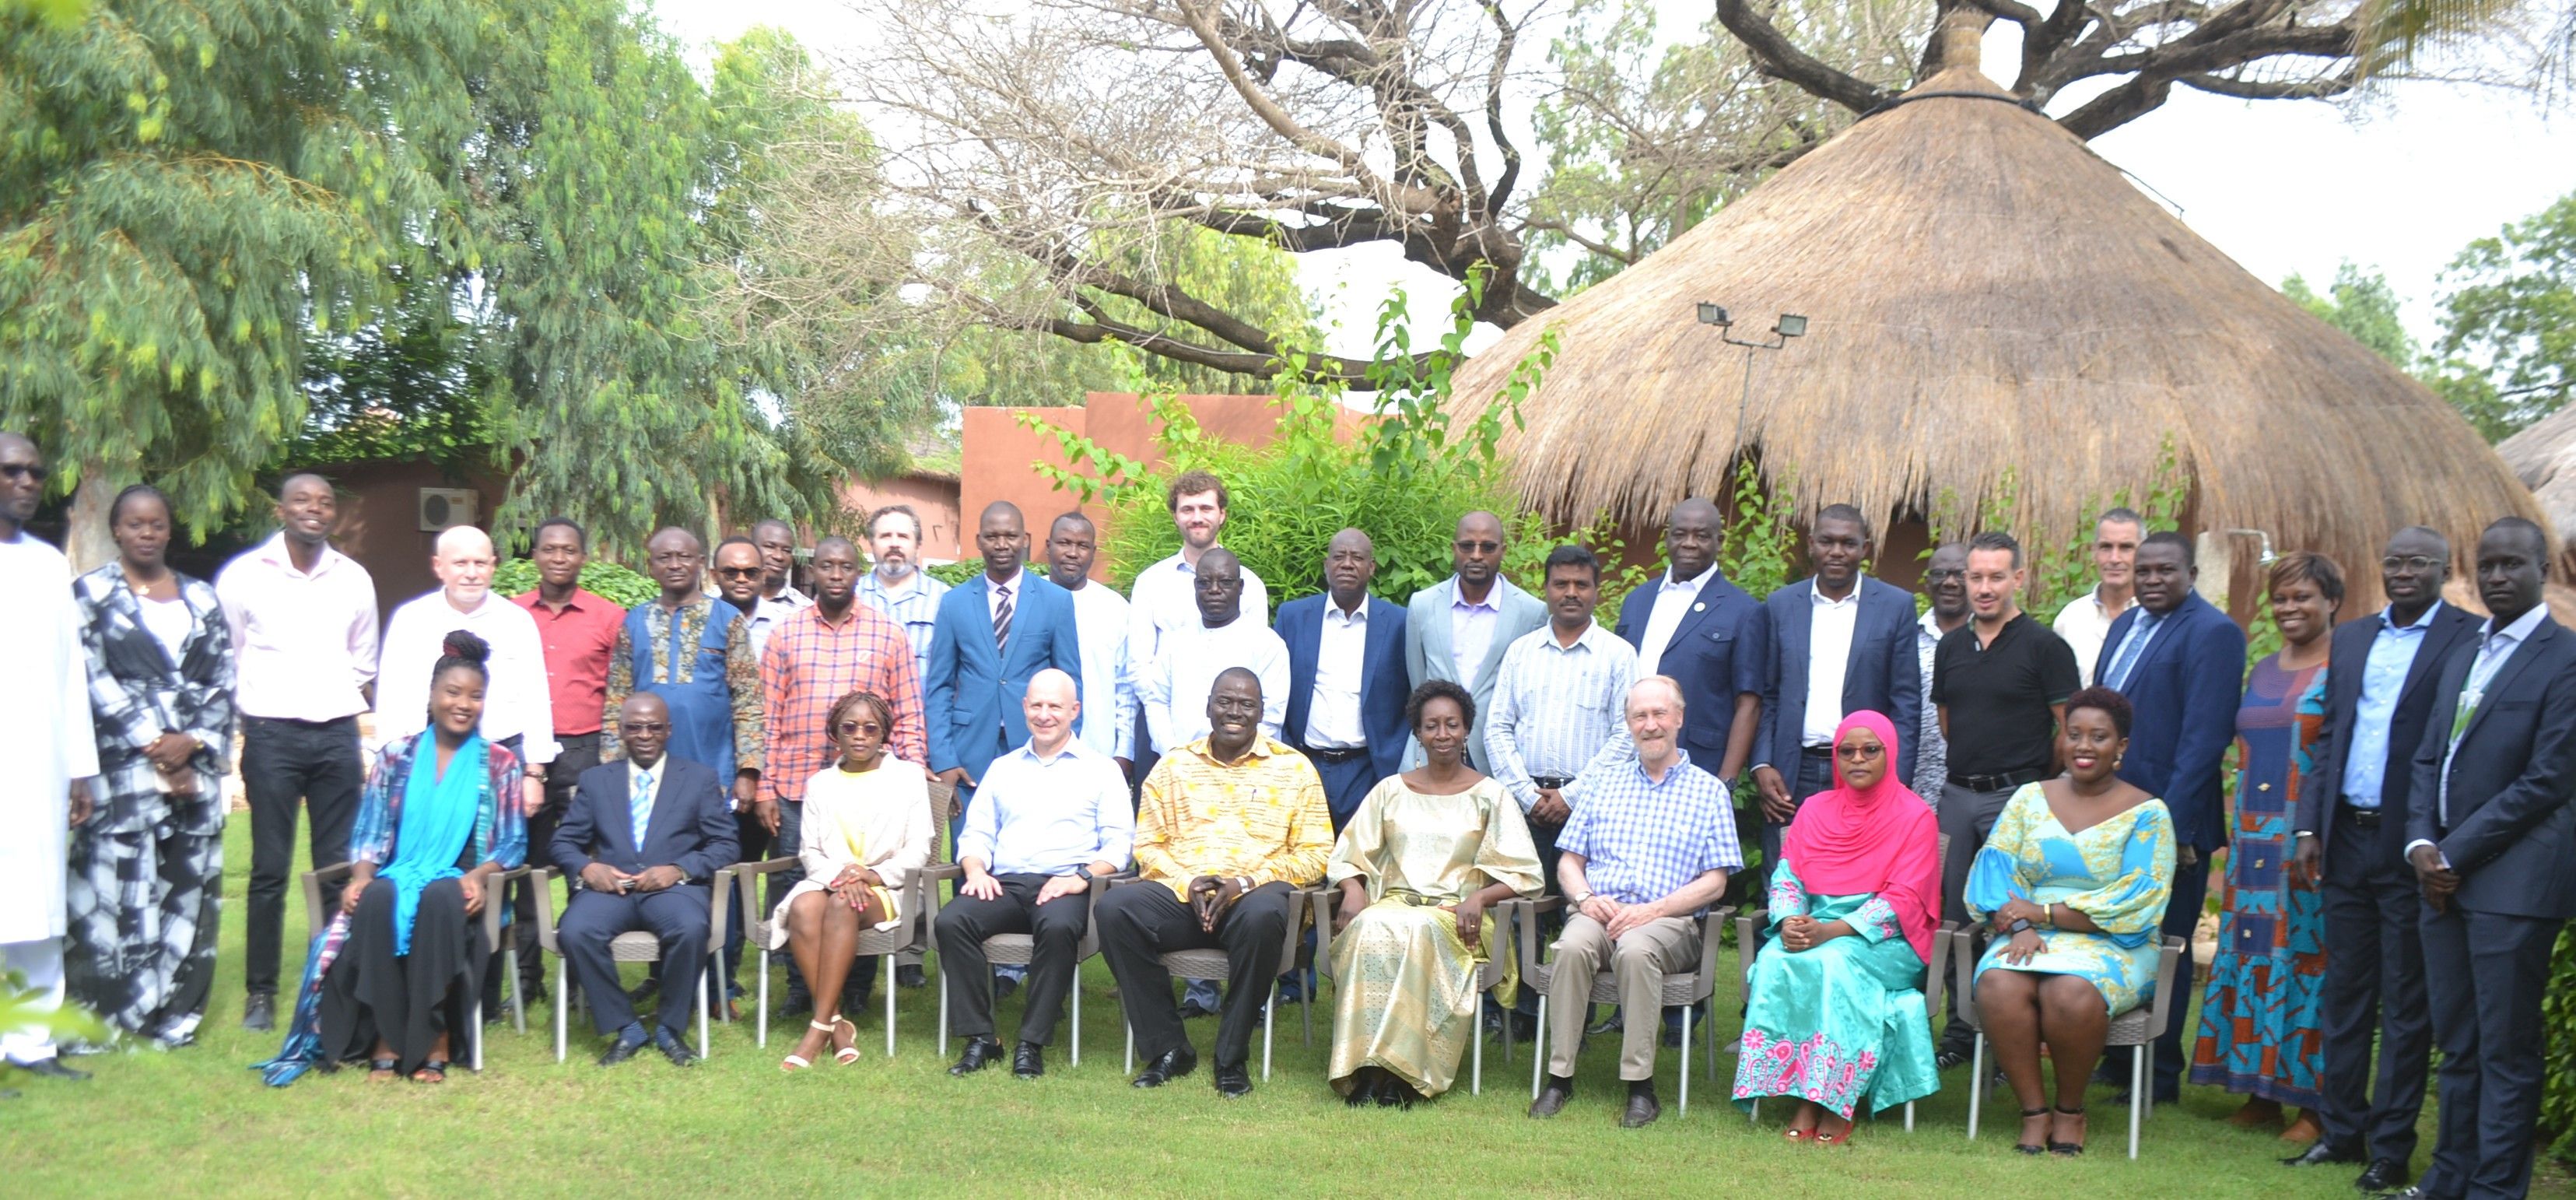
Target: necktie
<point>2130,648</point>
<point>640,806</point>
<point>1002,618</point>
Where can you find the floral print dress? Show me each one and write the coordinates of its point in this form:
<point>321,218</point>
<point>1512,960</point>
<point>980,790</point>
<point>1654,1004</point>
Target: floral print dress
<point>1842,1024</point>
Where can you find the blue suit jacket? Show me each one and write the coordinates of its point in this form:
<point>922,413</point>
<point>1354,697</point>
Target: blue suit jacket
<point>1719,651</point>
<point>2184,691</point>
<point>2511,833</point>
<point>971,693</point>
<point>1884,674</point>
<point>1383,689</point>
<point>692,826</point>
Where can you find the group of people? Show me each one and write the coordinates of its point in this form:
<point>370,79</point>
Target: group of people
<point>2397,832</point>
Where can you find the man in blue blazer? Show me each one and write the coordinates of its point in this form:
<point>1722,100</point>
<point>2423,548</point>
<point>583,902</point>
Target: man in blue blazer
<point>994,633</point>
<point>2181,663</point>
<point>2351,831</point>
<point>1839,626</point>
<point>1708,635</point>
<point>655,881</point>
<point>1346,677</point>
<point>2492,838</point>
<point>1458,628</point>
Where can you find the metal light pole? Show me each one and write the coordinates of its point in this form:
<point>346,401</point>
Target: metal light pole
<point>1789,325</point>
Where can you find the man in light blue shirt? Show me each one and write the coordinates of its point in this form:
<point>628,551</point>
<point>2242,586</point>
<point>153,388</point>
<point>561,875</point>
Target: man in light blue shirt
<point>1049,817</point>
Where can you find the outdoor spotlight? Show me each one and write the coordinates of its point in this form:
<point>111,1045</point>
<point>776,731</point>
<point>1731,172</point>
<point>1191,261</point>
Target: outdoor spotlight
<point>1714,314</point>
<point>1791,325</point>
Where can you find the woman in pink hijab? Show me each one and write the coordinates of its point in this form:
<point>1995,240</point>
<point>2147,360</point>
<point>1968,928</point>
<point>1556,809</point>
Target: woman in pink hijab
<point>1834,1016</point>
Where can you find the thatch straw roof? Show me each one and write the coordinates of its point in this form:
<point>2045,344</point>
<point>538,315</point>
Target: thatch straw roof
<point>1985,295</point>
<point>2543,456</point>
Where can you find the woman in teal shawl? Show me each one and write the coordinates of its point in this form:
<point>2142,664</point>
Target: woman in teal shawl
<point>397,969</point>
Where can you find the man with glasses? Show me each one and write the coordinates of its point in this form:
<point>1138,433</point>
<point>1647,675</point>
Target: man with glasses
<point>694,651</point>
<point>739,572</point>
<point>1459,628</point>
<point>821,653</point>
<point>1945,582</point>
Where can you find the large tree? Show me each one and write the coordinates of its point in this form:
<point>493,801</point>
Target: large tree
<point>2508,341</point>
<point>1056,131</point>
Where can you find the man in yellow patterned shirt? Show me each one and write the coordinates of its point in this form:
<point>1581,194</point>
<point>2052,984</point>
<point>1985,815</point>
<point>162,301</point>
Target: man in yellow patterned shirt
<point>1230,826</point>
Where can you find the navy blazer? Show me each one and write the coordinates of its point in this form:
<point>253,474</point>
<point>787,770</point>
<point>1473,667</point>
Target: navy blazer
<point>971,692</point>
<point>2511,834</point>
<point>692,826</point>
<point>2184,691</point>
<point>1383,680</point>
<point>1718,652</point>
<point>1884,674</point>
<point>2348,660</point>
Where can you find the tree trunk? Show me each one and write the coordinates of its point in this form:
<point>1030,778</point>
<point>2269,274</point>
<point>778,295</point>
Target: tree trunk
<point>85,538</point>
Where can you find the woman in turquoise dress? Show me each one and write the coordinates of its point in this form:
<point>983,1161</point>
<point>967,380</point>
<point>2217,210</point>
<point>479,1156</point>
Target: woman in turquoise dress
<point>2074,880</point>
<point>1834,1013</point>
<point>2261,1032</point>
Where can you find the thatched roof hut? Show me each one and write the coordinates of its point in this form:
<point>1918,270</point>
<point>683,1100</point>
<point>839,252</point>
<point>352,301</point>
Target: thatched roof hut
<point>1989,302</point>
<point>2543,456</point>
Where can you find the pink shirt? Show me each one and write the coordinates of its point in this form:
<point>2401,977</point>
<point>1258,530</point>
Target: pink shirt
<point>305,644</point>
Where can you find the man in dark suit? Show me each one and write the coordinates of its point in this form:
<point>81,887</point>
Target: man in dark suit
<point>1346,677</point>
<point>1840,643</point>
<point>2491,836</point>
<point>655,880</point>
<point>994,633</point>
<point>1705,633</point>
<point>2351,835</point>
<point>2181,663</point>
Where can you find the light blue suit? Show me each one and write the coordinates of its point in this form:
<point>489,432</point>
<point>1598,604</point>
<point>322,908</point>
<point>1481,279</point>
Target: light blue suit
<point>1427,653</point>
<point>972,692</point>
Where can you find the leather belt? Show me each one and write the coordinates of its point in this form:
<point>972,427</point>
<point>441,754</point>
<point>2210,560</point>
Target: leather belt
<point>1997,783</point>
<point>1551,781</point>
<point>1334,756</point>
<point>2365,818</point>
<point>1816,751</point>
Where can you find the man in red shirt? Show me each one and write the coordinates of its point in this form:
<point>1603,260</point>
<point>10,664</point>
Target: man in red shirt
<point>578,629</point>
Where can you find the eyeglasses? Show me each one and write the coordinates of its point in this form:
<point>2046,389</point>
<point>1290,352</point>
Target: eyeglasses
<point>24,471</point>
<point>1859,753</point>
<point>1466,547</point>
<point>738,572</point>
<point>2415,562</point>
<point>850,727</point>
<point>1934,576</point>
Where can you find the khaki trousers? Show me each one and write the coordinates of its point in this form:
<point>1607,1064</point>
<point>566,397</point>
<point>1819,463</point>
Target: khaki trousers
<point>1640,959</point>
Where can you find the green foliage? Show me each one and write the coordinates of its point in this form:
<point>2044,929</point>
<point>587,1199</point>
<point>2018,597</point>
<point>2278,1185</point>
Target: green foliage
<point>1760,554</point>
<point>518,576</point>
<point>23,1007</point>
<point>2558,1016</point>
<point>2061,568</point>
<point>2362,305</point>
<point>2508,344</point>
<point>955,573</point>
<point>1404,480</point>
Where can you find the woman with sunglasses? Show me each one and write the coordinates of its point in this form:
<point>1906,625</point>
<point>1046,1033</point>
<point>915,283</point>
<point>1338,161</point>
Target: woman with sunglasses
<point>1834,1014</point>
<point>867,829</point>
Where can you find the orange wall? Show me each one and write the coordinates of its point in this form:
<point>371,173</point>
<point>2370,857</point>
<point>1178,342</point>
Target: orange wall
<point>379,522</point>
<point>933,498</point>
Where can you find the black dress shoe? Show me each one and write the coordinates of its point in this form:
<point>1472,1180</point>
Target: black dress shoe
<point>259,1011</point>
<point>980,1053</point>
<point>909,975</point>
<point>1551,1099</point>
<point>2413,1193</point>
<point>2321,1154</point>
<point>674,1049</point>
<point>2384,1175</point>
<point>1174,1063</point>
<point>1642,1108</point>
<point>619,1051</point>
<point>1028,1060</point>
<point>1233,1083</point>
<point>53,1068</point>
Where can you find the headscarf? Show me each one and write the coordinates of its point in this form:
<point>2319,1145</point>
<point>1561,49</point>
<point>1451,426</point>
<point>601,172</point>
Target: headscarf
<point>1883,839</point>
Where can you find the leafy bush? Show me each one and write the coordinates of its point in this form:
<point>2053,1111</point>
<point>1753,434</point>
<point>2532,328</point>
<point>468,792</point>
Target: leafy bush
<point>961,570</point>
<point>518,576</point>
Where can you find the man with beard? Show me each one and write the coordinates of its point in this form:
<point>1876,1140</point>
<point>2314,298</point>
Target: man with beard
<point>1457,629</point>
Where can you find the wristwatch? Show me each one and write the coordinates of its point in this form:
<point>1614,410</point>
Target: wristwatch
<point>1580,901</point>
<point>2019,925</point>
<point>1083,873</point>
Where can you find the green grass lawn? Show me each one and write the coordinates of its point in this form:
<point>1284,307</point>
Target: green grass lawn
<point>198,1121</point>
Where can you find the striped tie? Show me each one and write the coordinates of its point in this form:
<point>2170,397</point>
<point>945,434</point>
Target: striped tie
<point>640,806</point>
<point>1002,618</point>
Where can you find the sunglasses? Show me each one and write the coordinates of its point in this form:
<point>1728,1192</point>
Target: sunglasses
<point>738,572</point>
<point>1478,547</point>
<point>646,727</point>
<point>851,727</point>
<point>1859,753</point>
<point>24,471</point>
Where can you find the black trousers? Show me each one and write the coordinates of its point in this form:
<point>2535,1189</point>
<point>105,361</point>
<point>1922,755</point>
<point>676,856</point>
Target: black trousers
<point>1056,929</point>
<point>575,753</point>
<point>1141,922</point>
<point>2374,986</point>
<point>675,916</point>
<point>2182,917</point>
<point>406,999</point>
<point>2484,973</point>
<point>1968,818</point>
<point>283,762</point>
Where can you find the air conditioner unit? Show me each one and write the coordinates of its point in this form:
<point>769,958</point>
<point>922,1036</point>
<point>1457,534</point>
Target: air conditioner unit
<point>445,508</point>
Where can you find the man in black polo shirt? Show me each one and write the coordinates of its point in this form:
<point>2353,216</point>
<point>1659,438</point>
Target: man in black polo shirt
<point>2001,682</point>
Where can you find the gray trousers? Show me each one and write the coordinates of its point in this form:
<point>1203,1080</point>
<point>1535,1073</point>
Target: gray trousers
<point>1966,818</point>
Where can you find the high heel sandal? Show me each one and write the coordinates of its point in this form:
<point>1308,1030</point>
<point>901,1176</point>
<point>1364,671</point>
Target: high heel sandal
<point>1833,1139</point>
<point>2026,1147</point>
<point>796,1062</point>
<point>846,1055</point>
<point>2069,1149</point>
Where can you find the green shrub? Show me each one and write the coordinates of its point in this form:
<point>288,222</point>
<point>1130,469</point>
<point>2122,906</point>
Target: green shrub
<point>960,571</point>
<point>518,576</point>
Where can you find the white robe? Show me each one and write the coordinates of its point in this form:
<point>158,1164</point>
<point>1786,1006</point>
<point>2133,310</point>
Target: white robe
<point>45,738</point>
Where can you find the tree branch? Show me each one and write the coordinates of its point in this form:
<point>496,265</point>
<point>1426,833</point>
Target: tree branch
<point>1773,55</point>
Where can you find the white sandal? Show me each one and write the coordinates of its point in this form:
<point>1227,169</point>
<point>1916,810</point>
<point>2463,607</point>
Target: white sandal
<point>845,1054</point>
<point>796,1062</point>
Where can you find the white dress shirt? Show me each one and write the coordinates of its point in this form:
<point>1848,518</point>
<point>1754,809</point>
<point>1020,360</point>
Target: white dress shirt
<point>768,611</point>
<point>1673,600</point>
<point>1166,598</point>
<point>1830,626</point>
<point>1108,722</point>
<point>2085,623</point>
<point>305,644</point>
<point>515,703</point>
<point>1175,690</point>
<point>1333,708</point>
<point>1035,815</point>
